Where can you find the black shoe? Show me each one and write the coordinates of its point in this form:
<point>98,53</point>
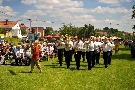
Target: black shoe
<point>89,68</point>
<point>105,66</point>
<point>30,71</point>
<point>77,68</point>
<point>97,62</point>
<point>109,63</point>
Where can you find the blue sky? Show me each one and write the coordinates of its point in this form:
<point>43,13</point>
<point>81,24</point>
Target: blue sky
<point>99,13</point>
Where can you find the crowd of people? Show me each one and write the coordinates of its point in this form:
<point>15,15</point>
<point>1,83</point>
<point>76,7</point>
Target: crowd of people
<point>88,49</point>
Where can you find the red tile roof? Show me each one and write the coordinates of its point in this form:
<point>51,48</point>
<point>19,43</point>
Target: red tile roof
<point>23,27</point>
<point>101,33</point>
<point>9,24</point>
<point>40,29</point>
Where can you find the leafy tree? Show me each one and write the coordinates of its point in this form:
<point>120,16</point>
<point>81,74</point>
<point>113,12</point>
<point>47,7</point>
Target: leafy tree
<point>2,31</point>
<point>133,16</point>
<point>48,31</point>
<point>23,32</point>
<point>33,31</point>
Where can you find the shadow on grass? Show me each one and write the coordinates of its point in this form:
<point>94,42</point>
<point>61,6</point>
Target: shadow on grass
<point>123,56</point>
<point>12,72</point>
<point>57,67</point>
<point>24,72</point>
<point>51,65</point>
<point>73,68</point>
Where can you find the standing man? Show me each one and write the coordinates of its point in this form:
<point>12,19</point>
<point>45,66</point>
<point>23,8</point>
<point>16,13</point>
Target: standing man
<point>89,45</point>
<point>97,50</point>
<point>78,46</point>
<point>105,46</point>
<point>68,51</point>
<point>110,50</point>
<point>60,48</point>
<point>35,57</point>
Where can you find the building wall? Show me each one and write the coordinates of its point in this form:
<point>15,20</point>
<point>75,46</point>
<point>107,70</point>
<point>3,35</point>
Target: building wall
<point>16,31</point>
<point>8,34</point>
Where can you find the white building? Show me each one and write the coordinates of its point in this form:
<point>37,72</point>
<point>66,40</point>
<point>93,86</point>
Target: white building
<point>12,28</point>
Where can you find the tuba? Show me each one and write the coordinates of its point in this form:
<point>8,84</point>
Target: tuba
<point>60,41</point>
<point>67,45</point>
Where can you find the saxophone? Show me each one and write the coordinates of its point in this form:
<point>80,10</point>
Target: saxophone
<point>76,48</point>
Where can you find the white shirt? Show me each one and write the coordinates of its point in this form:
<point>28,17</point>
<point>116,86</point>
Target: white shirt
<point>18,53</point>
<point>107,47</point>
<point>97,45</point>
<point>70,43</point>
<point>61,46</point>
<point>79,45</point>
<point>89,47</point>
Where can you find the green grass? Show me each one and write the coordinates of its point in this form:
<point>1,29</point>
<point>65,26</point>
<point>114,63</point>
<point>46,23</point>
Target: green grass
<point>15,40</point>
<point>118,76</point>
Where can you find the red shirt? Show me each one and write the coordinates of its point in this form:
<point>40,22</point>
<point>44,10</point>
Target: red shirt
<point>35,52</point>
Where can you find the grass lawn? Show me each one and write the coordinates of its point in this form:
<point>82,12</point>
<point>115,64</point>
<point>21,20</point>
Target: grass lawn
<point>118,76</point>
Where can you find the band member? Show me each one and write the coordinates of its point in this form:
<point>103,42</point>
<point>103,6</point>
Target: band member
<point>89,45</point>
<point>116,43</point>
<point>68,51</point>
<point>132,48</point>
<point>97,50</point>
<point>110,50</point>
<point>94,54</point>
<point>83,51</point>
<point>60,48</point>
<point>105,46</point>
<point>78,45</point>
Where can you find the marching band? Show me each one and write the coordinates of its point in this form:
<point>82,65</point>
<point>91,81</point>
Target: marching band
<point>90,47</point>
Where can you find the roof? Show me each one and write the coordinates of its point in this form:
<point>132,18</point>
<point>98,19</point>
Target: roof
<point>9,24</point>
<point>40,29</point>
<point>23,27</point>
<point>102,33</point>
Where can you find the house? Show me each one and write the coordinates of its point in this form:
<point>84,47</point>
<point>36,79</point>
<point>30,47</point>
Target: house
<point>38,30</point>
<point>127,33</point>
<point>102,33</point>
<point>12,28</point>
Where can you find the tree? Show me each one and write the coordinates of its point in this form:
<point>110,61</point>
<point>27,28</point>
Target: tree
<point>48,31</point>
<point>23,32</point>
<point>2,31</point>
<point>133,16</point>
<point>33,31</point>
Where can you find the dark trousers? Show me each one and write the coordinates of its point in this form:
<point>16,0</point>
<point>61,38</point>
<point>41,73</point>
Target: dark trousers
<point>60,56</point>
<point>68,57</point>
<point>18,59</point>
<point>97,57</point>
<point>105,57</point>
<point>109,57</point>
<point>77,58</point>
<point>93,58</point>
<point>83,56</point>
<point>89,57</point>
<point>133,53</point>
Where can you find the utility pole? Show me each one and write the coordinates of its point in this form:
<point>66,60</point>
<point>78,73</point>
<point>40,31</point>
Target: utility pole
<point>30,24</point>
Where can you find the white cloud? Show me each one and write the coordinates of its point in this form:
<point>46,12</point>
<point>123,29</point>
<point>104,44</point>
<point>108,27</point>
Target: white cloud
<point>125,0</point>
<point>109,1</point>
<point>46,4</point>
<point>33,14</point>
<point>113,2</point>
<point>28,1</point>
<point>1,2</point>
<point>100,9</point>
<point>6,12</point>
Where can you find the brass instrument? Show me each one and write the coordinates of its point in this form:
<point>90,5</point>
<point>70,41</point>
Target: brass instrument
<point>60,41</point>
<point>76,48</point>
<point>67,45</point>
